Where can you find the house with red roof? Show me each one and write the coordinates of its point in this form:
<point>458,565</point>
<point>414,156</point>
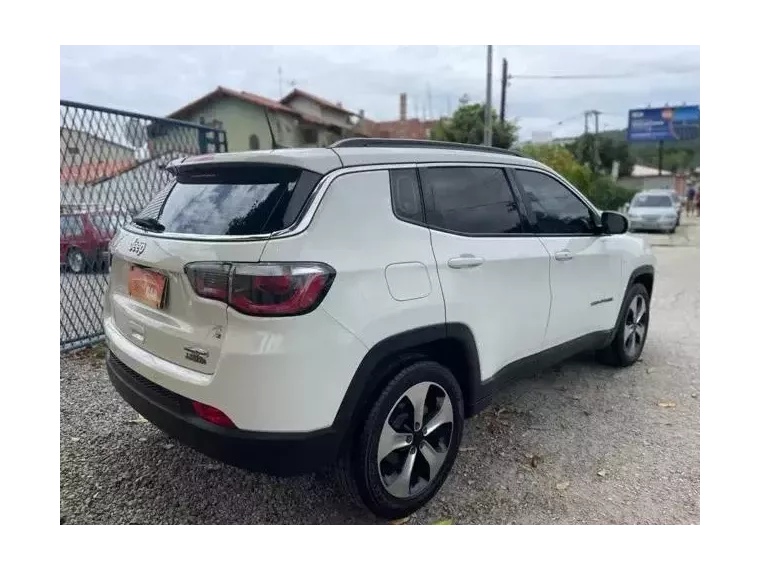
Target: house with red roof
<point>401,128</point>
<point>86,156</point>
<point>299,119</point>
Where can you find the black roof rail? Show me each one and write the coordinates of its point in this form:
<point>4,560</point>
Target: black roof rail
<point>419,143</point>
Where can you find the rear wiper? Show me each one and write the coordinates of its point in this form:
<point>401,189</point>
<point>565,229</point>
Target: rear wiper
<point>150,224</point>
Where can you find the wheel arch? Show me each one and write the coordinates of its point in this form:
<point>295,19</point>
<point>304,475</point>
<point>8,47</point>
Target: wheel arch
<point>643,274</point>
<point>450,344</point>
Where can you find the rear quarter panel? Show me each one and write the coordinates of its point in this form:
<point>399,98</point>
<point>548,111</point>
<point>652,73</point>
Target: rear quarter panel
<point>634,252</point>
<point>356,232</point>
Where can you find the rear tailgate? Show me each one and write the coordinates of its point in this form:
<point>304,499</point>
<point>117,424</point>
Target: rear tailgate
<point>187,329</point>
<point>211,213</point>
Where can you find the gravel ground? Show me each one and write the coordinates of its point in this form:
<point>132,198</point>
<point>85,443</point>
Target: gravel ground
<point>577,444</point>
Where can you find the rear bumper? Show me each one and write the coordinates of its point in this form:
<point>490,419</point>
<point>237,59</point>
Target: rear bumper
<point>274,453</point>
<point>653,225</point>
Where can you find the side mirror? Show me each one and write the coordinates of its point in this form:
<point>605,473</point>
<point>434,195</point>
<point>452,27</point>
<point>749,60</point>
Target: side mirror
<point>614,223</point>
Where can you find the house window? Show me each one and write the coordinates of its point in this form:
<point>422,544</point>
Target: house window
<point>253,142</point>
<point>72,150</point>
<point>310,136</point>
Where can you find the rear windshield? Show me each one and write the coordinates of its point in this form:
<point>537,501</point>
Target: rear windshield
<point>653,201</point>
<point>232,200</point>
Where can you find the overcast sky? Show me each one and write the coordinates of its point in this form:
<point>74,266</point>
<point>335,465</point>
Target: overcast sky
<point>158,80</point>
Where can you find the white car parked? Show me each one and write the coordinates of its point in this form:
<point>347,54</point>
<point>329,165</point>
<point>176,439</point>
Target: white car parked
<point>656,210</point>
<point>349,307</point>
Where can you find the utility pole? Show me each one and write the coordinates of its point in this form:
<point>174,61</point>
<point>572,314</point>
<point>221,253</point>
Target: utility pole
<point>488,128</point>
<point>504,77</point>
<point>279,79</point>
<point>660,145</point>
<point>430,102</point>
<point>595,138</point>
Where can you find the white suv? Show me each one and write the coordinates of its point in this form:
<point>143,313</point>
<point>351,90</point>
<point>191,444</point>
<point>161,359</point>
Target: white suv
<point>349,307</point>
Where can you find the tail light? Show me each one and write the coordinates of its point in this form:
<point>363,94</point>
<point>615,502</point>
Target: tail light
<point>263,289</point>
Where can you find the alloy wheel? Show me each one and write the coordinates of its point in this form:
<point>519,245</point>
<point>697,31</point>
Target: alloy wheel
<point>76,261</point>
<point>635,325</point>
<point>415,440</point>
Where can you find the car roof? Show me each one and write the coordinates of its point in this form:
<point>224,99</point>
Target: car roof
<point>364,152</point>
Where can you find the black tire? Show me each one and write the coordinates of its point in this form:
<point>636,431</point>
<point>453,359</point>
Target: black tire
<point>358,470</point>
<point>76,260</point>
<point>616,354</point>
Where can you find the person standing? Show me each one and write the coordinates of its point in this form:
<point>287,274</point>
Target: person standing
<point>690,195</point>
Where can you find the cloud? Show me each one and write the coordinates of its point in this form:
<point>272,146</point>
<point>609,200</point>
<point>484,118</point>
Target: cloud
<point>161,79</point>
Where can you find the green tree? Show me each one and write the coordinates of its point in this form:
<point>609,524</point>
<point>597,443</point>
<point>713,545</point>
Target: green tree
<point>561,160</point>
<point>610,151</point>
<point>601,190</point>
<point>467,125</point>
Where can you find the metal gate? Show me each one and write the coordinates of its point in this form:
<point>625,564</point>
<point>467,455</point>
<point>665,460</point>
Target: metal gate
<point>112,163</point>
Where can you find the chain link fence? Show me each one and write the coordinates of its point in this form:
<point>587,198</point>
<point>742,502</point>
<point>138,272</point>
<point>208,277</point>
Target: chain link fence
<point>112,163</point>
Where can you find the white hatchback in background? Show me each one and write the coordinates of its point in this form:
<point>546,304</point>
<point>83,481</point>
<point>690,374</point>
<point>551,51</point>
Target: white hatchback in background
<point>291,310</point>
<point>654,210</point>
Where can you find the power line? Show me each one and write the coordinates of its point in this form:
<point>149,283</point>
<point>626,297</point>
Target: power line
<point>570,118</point>
<point>608,75</point>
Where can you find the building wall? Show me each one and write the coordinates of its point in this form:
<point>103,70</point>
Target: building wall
<point>79,147</point>
<point>309,107</point>
<point>240,120</point>
<point>647,182</point>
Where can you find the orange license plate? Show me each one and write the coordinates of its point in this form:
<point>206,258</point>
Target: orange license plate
<point>147,286</point>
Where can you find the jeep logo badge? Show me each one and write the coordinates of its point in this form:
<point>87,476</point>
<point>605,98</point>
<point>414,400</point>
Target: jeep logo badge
<point>137,247</point>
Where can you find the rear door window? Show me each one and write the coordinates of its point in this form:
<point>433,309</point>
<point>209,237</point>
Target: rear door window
<point>653,201</point>
<point>71,226</point>
<point>232,200</point>
<point>470,200</point>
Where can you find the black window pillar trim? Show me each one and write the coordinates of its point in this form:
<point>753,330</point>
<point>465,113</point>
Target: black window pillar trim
<point>528,217</point>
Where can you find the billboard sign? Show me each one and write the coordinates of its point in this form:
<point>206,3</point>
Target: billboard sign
<point>540,137</point>
<point>663,124</point>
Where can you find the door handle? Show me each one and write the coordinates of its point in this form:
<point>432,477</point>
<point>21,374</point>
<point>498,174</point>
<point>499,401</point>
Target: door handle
<point>563,255</point>
<point>465,260</point>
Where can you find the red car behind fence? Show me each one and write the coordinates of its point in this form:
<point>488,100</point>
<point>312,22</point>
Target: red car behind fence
<point>85,236</point>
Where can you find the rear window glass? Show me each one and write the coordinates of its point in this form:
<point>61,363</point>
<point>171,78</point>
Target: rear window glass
<point>71,226</point>
<point>653,201</point>
<point>232,200</point>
